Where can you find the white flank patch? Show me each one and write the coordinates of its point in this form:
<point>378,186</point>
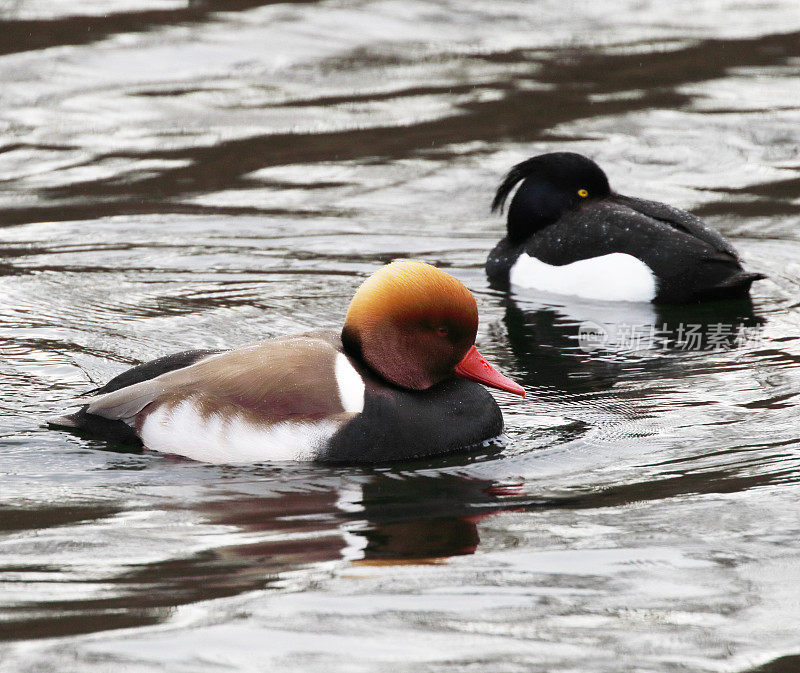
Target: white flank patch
<point>614,277</point>
<point>351,385</point>
<point>232,439</point>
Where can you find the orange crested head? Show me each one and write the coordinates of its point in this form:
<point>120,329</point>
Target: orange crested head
<point>414,324</point>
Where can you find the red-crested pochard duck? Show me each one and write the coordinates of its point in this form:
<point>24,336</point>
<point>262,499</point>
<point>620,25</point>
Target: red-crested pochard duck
<point>398,382</point>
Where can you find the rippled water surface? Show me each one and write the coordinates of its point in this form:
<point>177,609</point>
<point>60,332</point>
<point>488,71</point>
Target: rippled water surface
<point>177,176</point>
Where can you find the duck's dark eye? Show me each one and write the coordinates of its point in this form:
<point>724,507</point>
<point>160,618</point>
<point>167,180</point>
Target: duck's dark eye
<point>442,330</point>
<point>583,193</point>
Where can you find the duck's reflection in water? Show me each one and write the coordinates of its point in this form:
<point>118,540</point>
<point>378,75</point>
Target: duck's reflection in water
<point>287,534</point>
<point>580,346</point>
<point>383,518</point>
<point>271,533</point>
<point>426,519</point>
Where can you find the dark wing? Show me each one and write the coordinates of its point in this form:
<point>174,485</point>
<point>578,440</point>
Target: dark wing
<point>149,370</point>
<point>116,430</point>
<point>677,219</point>
<point>690,260</point>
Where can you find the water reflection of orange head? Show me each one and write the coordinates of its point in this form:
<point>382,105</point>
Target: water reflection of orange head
<point>387,519</point>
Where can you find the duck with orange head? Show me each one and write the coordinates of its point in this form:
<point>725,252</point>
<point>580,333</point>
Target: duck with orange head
<point>402,380</point>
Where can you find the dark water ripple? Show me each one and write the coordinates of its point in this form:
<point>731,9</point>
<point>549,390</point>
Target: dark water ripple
<point>205,174</point>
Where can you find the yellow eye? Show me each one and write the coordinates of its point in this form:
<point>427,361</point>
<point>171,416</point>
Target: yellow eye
<point>583,193</point>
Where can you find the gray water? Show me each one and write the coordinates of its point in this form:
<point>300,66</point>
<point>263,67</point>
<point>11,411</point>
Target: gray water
<point>175,177</point>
